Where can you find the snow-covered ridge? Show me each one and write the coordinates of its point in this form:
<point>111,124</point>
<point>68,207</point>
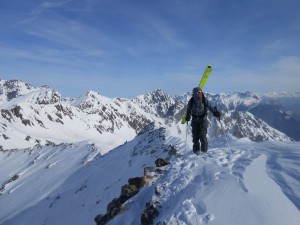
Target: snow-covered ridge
<point>211,189</point>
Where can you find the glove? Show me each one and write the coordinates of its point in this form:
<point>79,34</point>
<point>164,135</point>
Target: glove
<point>188,117</point>
<point>217,113</point>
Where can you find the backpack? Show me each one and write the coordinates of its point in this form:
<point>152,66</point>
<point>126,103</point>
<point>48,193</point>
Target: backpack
<point>204,102</point>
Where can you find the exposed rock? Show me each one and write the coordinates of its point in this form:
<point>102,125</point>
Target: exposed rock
<point>149,214</point>
<point>59,121</point>
<point>161,162</point>
<point>15,177</point>
<point>40,122</point>
<point>172,151</point>
<point>50,117</point>
<point>6,114</point>
<point>5,137</point>
<point>101,219</point>
<point>17,111</point>
<point>149,169</point>
<point>129,190</point>
<point>139,182</point>
<point>27,138</point>
<point>26,122</point>
<point>114,207</point>
<point>152,169</point>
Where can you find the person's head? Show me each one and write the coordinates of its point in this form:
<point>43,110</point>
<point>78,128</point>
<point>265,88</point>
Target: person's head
<point>197,92</point>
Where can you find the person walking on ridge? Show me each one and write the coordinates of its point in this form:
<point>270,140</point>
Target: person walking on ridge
<point>197,109</point>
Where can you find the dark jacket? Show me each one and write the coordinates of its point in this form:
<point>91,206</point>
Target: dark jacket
<point>197,107</point>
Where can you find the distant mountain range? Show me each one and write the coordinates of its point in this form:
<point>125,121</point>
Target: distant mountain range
<point>39,115</point>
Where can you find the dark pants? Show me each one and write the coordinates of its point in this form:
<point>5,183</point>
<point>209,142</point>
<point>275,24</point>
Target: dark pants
<point>199,131</point>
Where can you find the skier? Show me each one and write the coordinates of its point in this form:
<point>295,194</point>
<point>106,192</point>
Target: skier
<point>197,108</point>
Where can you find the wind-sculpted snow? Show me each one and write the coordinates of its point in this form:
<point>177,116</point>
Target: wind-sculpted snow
<point>226,186</point>
<point>283,166</point>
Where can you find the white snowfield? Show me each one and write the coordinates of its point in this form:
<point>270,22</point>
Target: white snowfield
<point>245,183</point>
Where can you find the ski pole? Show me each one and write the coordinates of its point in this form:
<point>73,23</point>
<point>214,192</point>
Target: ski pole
<point>186,131</point>
<point>225,135</point>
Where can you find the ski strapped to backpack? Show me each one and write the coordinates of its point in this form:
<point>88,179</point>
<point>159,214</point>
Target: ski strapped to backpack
<point>205,76</point>
<point>201,86</point>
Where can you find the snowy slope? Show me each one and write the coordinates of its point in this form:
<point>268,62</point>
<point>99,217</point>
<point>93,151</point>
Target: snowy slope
<point>248,183</point>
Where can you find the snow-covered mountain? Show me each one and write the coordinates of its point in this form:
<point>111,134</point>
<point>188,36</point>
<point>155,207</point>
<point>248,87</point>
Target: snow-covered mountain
<point>37,116</point>
<point>10,89</point>
<point>278,110</point>
<point>70,161</point>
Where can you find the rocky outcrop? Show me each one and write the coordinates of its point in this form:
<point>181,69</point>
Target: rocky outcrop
<point>116,205</point>
<point>12,179</point>
<point>131,189</point>
<point>149,214</point>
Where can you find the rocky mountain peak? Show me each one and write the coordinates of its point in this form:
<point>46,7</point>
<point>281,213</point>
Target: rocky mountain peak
<point>158,103</point>
<point>91,101</point>
<point>47,96</point>
<point>10,89</point>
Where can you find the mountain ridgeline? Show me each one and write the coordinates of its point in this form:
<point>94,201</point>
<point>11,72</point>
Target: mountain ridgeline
<point>32,116</point>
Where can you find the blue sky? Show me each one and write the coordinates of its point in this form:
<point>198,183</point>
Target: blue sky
<point>126,48</point>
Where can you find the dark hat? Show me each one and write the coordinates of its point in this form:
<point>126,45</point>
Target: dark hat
<point>196,89</point>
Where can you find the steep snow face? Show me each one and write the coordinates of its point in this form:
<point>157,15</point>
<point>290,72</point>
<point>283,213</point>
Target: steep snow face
<point>247,183</point>
<point>34,175</point>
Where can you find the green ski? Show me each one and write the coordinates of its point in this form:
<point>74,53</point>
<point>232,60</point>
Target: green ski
<point>201,85</point>
<point>205,76</point>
